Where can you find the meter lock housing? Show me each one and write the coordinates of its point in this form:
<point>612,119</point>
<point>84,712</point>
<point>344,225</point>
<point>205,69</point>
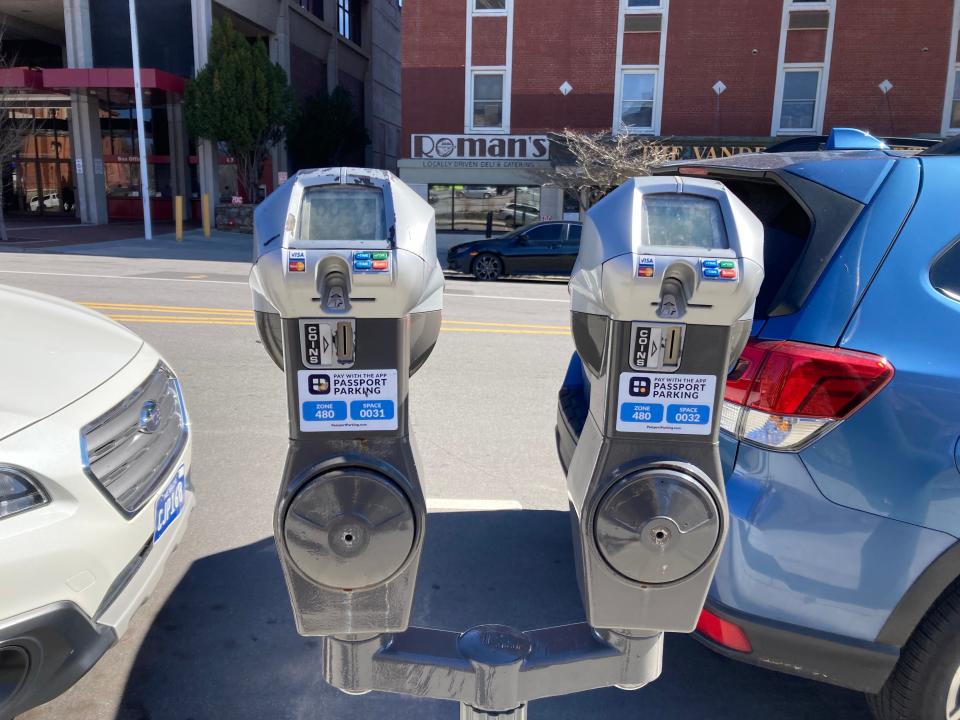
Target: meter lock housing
<point>656,325</point>
<point>347,262</point>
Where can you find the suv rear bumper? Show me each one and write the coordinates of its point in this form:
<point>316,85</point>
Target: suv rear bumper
<point>60,643</point>
<point>820,656</point>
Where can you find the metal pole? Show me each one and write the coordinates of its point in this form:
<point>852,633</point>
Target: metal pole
<point>141,132</point>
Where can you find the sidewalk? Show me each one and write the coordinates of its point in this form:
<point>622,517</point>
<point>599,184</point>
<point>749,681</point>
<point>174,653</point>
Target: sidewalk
<point>103,240</point>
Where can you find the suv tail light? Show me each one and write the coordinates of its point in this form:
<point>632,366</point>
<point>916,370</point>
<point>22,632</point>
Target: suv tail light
<point>723,632</point>
<point>782,394</point>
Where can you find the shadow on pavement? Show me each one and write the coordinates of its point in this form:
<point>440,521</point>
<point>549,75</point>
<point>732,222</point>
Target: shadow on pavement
<point>224,644</point>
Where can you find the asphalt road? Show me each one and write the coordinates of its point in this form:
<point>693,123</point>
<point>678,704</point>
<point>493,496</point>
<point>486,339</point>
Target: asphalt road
<point>217,638</point>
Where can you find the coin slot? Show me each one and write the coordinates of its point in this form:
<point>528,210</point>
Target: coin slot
<point>344,342</point>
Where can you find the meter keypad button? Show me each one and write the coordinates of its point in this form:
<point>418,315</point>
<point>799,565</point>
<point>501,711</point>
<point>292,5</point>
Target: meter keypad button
<point>728,274</point>
<point>711,272</point>
<point>362,264</point>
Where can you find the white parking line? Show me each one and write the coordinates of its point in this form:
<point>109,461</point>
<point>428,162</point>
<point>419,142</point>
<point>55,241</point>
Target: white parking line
<point>123,277</point>
<point>506,297</point>
<point>244,282</point>
<point>440,504</point>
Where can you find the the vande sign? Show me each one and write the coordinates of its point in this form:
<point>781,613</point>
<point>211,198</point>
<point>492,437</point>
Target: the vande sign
<point>480,147</point>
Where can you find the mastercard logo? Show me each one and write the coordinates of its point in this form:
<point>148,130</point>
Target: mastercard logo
<point>645,271</point>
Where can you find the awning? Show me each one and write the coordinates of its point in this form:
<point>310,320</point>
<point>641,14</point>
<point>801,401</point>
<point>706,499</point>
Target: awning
<point>84,78</point>
<point>21,78</point>
<point>89,78</point>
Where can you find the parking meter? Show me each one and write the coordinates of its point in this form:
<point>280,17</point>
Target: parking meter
<point>346,267</point>
<point>661,297</point>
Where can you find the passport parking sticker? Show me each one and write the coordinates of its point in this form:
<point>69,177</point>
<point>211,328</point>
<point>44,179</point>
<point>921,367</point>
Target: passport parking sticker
<point>347,400</point>
<point>659,403</point>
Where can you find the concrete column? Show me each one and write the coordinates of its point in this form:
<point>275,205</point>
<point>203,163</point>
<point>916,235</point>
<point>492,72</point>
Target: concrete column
<point>88,158</point>
<point>76,25</point>
<point>84,118</point>
<point>206,152</point>
<point>280,54</point>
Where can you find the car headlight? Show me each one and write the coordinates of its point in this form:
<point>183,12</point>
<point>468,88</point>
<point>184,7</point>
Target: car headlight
<point>18,492</point>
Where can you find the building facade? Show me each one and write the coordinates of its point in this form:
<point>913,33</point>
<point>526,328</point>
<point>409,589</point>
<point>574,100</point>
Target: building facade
<point>486,81</point>
<point>72,78</point>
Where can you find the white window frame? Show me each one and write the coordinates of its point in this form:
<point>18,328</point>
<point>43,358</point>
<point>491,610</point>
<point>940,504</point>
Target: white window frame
<point>953,68</point>
<point>818,100</point>
<point>504,100</point>
<point>784,67</point>
<point>662,9</point>
<point>470,70</point>
<point>658,8</point>
<point>488,12</point>
<point>655,113</point>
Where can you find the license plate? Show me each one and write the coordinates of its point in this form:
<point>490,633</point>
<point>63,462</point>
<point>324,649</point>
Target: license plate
<point>170,503</point>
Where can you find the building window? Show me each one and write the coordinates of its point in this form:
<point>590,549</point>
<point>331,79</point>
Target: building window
<point>348,17</point>
<point>638,97</point>
<point>488,100</point>
<point>314,7</point>
<point>955,102</point>
<point>644,3</point>
<point>798,108</point>
<point>493,7</point>
<point>472,207</point>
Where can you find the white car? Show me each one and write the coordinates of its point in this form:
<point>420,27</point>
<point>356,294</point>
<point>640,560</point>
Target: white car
<point>49,201</point>
<point>94,489</point>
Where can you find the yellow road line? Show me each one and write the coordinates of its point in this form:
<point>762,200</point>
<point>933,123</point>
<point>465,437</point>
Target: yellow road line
<point>503,332</point>
<point>164,308</point>
<point>175,320</point>
<point>188,315</point>
<point>516,325</point>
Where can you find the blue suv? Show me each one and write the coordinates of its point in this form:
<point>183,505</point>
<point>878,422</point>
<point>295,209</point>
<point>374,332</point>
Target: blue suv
<point>840,426</point>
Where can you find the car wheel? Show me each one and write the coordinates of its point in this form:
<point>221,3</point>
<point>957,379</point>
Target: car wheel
<point>925,685</point>
<point>487,267</point>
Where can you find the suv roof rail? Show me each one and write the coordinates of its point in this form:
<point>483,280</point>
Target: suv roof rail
<point>853,139</point>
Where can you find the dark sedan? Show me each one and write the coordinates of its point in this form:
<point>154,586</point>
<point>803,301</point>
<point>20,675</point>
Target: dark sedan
<point>544,248</point>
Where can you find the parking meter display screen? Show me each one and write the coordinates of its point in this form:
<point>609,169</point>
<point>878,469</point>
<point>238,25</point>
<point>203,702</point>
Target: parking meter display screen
<point>337,213</point>
<point>683,221</point>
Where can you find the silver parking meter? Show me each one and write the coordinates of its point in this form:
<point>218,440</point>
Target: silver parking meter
<point>347,270</point>
<point>347,292</point>
<point>661,297</point>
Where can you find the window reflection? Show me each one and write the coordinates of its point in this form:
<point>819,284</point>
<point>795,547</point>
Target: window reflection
<point>471,207</point>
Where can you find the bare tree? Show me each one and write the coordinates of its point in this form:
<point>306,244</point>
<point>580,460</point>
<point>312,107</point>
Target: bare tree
<point>599,162</point>
<point>13,128</point>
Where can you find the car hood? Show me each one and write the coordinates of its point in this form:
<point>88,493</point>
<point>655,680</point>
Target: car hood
<point>54,352</point>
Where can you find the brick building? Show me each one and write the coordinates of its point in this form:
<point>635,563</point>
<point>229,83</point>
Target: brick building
<point>484,81</point>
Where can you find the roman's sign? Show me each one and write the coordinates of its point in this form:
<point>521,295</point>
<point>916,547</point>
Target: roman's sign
<point>480,147</point>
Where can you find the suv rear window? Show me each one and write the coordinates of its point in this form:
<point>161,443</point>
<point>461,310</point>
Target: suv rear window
<point>804,225</point>
<point>945,273</point>
<point>786,229</point>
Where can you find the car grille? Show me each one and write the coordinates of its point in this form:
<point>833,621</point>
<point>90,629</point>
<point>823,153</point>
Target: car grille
<point>130,448</point>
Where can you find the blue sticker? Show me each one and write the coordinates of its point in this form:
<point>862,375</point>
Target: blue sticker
<point>371,410</point>
<point>324,411</point>
<point>688,414</point>
<point>641,412</point>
